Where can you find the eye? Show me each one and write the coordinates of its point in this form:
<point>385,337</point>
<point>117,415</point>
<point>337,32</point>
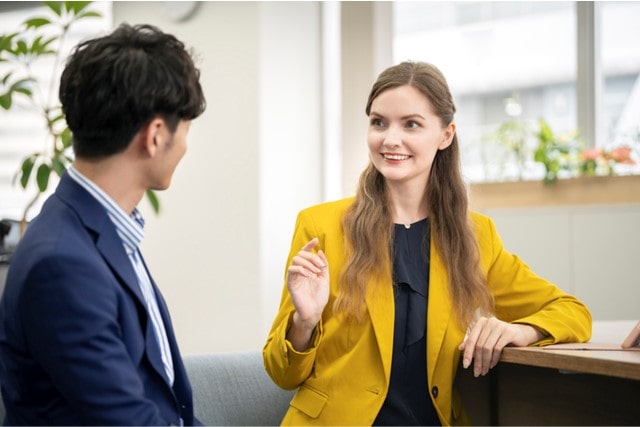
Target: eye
<point>377,122</point>
<point>412,124</point>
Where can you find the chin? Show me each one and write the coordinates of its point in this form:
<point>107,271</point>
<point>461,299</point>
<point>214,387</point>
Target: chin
<point>160,187</point>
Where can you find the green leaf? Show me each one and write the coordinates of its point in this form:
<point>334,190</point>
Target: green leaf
<point>21,48</point>
<point>76,6</point>
<point>153,201</point>
<point>58,166</point>
<point>50,40</point>
<point>6,40</point>
<point>57,118</point>
<point>5,101</point>
<point>23,90</point>
<point>21,85</point>
<point>26,168</point>
<point>36,22</point>
<point>55,6</point>
<point>66,137</point>
<point>89,14</point>
<point>42,177</point>
<point>39,47</point>
<point>545,131</point>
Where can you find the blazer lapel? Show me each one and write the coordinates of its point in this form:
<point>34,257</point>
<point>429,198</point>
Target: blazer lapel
<point>95,219</point>
<point>152,343</point>
<point>379,299</point>
<point>438,311</point>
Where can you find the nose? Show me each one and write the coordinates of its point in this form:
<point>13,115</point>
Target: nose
<point>393,137</point>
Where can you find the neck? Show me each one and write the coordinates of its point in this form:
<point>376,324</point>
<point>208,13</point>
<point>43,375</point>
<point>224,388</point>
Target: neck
<point>407,205</point>
<point>115,177</point>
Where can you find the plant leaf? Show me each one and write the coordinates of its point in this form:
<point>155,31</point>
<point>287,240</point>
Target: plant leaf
<point>22,85</point>
<point>89,14</point>
<point>57,118</point>
<point>153,201</point>
<point>76,6</point>
<point>5,101</point>
<point>21,48</point>
<point>57,165</point>
<point>55,6</point>
<point>26,168</point>
<point>6,41</point>
<point>66,137</point>
<point>6,78</point>
<point>36,22</point>
<point>42,177</point>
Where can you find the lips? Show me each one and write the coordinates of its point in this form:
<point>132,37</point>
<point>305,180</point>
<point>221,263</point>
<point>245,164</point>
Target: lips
<point>395,156</point>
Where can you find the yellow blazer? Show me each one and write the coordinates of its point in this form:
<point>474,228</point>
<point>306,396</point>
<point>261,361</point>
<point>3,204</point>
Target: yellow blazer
<point>344,377</point>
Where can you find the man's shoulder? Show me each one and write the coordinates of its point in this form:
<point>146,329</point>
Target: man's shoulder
<point>57,232</point>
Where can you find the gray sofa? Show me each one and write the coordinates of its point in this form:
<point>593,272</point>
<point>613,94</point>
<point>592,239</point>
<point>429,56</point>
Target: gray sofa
<point>232,389</point>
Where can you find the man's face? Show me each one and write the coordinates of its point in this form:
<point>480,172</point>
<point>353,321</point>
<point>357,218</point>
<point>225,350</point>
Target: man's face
<point>170,153</point>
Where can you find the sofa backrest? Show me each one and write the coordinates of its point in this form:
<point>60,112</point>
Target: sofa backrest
<point>232,389</point>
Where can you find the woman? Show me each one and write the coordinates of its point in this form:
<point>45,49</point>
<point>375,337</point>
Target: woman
<point>385,292</point>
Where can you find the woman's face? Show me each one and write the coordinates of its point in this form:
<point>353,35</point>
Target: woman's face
<point>405,135</point>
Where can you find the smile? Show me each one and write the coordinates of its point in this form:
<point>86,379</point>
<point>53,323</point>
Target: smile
<point>395,157</point>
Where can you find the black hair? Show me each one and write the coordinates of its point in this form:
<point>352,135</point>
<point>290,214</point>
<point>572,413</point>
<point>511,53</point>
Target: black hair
<point>113,85</point>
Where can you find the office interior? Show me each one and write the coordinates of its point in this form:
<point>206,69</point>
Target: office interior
<point>286,85</point>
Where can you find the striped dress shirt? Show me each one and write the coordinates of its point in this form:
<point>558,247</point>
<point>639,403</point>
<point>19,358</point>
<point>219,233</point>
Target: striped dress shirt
<point>130,228</point>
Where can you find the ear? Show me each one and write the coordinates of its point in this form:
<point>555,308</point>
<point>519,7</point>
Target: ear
<point>447,136</point>
<point>153,135</point>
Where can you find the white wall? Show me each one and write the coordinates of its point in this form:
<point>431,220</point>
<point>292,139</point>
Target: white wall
<point>291,152</point>
<point>588,251</point>
<point>218,248</point>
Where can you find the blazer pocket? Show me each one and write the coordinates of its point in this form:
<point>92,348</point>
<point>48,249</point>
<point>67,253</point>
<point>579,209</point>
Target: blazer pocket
<point>309,401</point>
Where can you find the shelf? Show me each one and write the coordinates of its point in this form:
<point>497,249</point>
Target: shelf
<point>597,190</point>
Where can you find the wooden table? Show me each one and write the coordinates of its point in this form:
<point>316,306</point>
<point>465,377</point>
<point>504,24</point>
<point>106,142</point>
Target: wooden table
<point>541,386</point>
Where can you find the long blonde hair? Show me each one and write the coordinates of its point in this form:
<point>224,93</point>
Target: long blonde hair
<point>368,224</point>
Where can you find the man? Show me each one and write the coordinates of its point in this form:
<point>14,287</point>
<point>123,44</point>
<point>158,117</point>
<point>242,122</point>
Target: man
<point>85,335</point>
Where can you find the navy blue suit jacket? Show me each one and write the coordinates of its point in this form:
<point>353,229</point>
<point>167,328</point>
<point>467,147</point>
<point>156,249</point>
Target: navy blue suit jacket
<point>76,342</point>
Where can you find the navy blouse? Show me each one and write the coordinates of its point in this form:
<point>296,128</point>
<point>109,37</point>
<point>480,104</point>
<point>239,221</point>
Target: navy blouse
<point>408,401</point>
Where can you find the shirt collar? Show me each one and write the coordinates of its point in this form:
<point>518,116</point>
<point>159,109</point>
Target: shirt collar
<point>130,228</point>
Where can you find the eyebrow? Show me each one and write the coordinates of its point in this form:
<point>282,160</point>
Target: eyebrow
<point>407,117</point>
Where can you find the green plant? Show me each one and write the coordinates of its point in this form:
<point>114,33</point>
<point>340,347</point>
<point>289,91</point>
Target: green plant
<point>38,38</point>
<point>512,138</point>
<point>557,152</point>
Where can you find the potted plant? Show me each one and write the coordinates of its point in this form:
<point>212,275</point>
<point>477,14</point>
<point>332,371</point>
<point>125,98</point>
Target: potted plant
<point>42,37</point>
<point>557,152</point>
<point>511,140</point>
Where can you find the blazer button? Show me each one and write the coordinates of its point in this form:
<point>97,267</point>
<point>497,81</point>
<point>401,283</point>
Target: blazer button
<point>434,391</point>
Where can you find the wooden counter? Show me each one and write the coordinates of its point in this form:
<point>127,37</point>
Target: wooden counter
<point>596,190</point>
<point>538,386</point>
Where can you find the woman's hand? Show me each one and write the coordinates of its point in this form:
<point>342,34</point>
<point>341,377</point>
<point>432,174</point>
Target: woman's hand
<point>308,285</point>
<point>488,336</point>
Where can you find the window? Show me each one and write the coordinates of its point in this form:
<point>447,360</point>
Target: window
<point>621,73</point>
<point>512,63</point>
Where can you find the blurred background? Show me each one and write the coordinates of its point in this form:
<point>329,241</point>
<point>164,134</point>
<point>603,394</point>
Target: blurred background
<point>286,85</point>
